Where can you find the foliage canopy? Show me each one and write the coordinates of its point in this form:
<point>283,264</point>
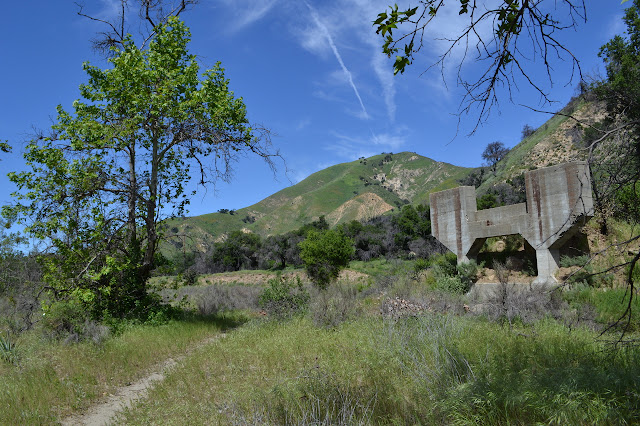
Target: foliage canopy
<point>100,183</point>
<point>324,254</point>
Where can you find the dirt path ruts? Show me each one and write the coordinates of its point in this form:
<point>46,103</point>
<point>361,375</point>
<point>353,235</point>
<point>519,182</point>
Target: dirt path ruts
<point>104,412</point>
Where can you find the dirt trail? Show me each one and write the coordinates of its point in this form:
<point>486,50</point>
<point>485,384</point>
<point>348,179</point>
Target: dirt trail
<point>104,412</point>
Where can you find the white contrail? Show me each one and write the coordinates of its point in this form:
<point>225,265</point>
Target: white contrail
<point>326,33</point>
<point>385,77</point>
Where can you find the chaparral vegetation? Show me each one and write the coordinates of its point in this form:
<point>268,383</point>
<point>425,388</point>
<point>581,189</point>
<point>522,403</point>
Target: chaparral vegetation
<point>339,308</point>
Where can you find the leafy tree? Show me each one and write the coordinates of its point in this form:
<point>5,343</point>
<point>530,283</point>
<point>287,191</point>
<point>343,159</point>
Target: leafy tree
<point>412,223</point>
<point>5,147</point>
<point>614,144</point>
<point>474,178</point>
<point>281,250</point>
<point>621,56</point>
<point>487,201</point>
<point>237,251</point>
<point>109,171</point>
<point>522,32</point>
<point>324,254</point>
<point>527,131</point>
<point>493,153</point>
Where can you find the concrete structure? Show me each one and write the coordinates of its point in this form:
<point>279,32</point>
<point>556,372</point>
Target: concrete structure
<point>559,202</point>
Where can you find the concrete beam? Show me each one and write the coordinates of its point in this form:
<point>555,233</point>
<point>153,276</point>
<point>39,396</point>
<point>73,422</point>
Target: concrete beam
<point>559,201</point>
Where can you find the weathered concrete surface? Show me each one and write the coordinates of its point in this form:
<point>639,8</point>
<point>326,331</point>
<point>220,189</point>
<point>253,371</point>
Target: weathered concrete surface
<point>559,202</point>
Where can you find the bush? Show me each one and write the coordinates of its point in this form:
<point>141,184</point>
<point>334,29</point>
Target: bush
<point>569,261</point>
<point>324,254</point>
<point>467,272</point>
<point>284,297</point>
<point>69,320</point>
<point>64,318</point>
<point>450,277</point>
<point>451,284</point>
<point>190,277</point>
<point>8,349</point>
<point>445,263</point>
<point>584,274</point>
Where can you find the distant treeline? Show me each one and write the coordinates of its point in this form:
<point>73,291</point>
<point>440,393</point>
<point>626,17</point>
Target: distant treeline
<point>405,234</point>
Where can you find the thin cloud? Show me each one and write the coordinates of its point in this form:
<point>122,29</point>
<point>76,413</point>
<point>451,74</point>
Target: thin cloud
<point>363,12</point>
<point>251,11</point>
<point>325,33</point>
<point>388,140</point>
<point>305,122</point>
<point>616,27</point>
<point>385,77</point>
<point>351,148</point>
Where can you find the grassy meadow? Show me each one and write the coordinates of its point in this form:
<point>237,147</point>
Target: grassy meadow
<point>433,369</point>
<point>50,379</point>
<point>335,359</point>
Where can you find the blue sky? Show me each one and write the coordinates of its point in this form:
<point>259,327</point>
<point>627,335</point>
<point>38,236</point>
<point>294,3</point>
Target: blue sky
<point>311,71</point>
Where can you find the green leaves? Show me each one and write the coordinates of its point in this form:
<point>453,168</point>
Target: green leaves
<point>386,23</point>
<point>120,161</point>
<point>324,254</point>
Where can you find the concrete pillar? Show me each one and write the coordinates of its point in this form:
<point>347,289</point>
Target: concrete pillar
<point>472,253</point>
<point>548,261</point>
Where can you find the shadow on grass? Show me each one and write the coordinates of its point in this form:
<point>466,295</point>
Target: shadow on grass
<point>557,382</point>
<point>225,321</point>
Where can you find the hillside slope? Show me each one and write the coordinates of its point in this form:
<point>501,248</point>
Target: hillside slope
<point>558,140</point>
<point>373,186</point>
<point>357,190</point>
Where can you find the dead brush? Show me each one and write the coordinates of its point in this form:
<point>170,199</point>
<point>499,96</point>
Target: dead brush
<point>213,299</point>
<point>525,303</point>
<point>337,304</point>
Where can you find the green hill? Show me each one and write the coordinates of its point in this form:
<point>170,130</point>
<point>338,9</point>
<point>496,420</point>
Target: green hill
<point>376,185</point>
<point>557,141</point>
<point>358,190</point>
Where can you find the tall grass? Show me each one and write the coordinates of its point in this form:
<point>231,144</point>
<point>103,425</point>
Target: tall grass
<point>428,370</point>
<point>53,379</point>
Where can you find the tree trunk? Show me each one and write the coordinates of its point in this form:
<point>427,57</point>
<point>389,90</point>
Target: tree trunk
<point>133,194</point>
<point>152,204</point>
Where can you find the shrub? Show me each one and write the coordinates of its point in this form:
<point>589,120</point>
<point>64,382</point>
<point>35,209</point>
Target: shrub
<point>584,274</point>
<point>467,272</point>
<point>190,277</point>
<point>451,284</point>
<point>213,299</point>
<point>419,266</point>
<point>8,349</point>
<point>324,254</point>
<point>64,318</point>
<point>450,277</point>
<point>284,297</point>
<point>569,261</point>
<point>445,263</point>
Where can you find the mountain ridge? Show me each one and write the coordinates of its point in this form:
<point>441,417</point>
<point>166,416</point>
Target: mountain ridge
<point>380,184</point>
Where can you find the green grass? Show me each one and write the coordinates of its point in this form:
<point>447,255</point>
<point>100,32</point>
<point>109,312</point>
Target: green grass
<point>53,379</point>
<point>433,370</point>
<point>381,266</point>
<point>609,304</point>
